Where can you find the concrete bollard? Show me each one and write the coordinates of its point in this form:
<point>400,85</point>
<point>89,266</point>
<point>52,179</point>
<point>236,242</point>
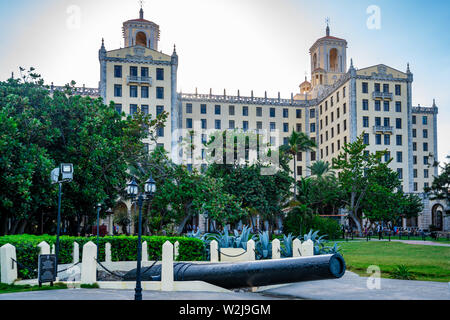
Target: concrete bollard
<point>276,254</point>
<point>108,252</point>
<point>8,266</point>
<point>176,250</point>
<point>167,267</point>
<point>296,248</point>
<point>144,251</point>
<point>250,250</point>
<point>54,249</point>
<point>307,248</point>
<point>76,252</point>
<point>44,248</point>
<point>89,264</point>
<point>214,251</point>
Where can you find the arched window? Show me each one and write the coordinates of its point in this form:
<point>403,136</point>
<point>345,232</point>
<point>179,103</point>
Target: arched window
<point>333,60</point>
<point>141,39</point>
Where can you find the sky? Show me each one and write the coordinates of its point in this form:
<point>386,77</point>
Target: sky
<point>260,45</point>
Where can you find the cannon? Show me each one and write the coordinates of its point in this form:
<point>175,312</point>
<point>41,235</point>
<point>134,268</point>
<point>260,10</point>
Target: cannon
<point>252,273</point>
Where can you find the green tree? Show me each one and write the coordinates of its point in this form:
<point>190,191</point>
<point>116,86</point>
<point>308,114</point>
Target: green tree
<point>440,187</point>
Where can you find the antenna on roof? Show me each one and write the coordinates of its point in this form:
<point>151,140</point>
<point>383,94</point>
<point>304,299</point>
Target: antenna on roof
<point>141,12</point>
<point>327,21</point>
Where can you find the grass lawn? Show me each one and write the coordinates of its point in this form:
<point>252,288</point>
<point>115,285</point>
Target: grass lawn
<point>426,263</point>
<point>11,288</point>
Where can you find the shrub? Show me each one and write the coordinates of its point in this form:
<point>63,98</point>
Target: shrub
<point>123,248</point>
<point>298,224</point>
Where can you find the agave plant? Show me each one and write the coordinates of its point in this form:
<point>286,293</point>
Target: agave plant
<point>223,239</point>
<point>330,250</point>
<point>264,246</point>
<point>240,240</point>
<point>286,248</point>
<point>318,241</point>
<point>194,234</point>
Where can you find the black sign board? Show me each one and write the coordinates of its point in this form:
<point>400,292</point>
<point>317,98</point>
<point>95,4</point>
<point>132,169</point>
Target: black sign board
<point>47,268</point>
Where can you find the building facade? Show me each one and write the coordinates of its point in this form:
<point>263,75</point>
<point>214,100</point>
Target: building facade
<point>336,106</point>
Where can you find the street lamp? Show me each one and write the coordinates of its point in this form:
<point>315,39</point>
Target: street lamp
<point>133,192</point>
<point>66,170</point>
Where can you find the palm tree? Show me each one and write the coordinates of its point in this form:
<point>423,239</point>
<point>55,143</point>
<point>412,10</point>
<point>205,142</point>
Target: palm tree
<point>298,142</point>
<point>321,169</point>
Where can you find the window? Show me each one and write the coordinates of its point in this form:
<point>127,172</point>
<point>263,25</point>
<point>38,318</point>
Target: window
<point>414,120</point>
<point>399,139</point>
<point>377,105</point>
<point>387,156</point>
<point>231,124</point>
<point>426,185</point>
<point>400,173</point>
<point>424,120</point>
<point>245,125</point>
<point>415,173</point>
<point>415,186</point>
<point>399,156</point>
<point>189,123</point>
<point>144,108</point>
<point>258,111</point>
<point>425,146</point>
<point>365,122</point>
<point>299,127</point>
<point>273,141</point>
<point>133,91</point>
<point>345,125</point>
<point>387,122</point>
<point>414,146</point>
<point>386,106</point>
<point>365,87</point>
<point>365,103</point>
<point>144,92</point>
<point>366,138</point>
<point>160,131</point>
<point>245,111</point>
<point>159,110</point>
<point>386,87</point>
<point>377,87</point>
<point>414,133</point>
<point>298,113</point>
<point>133,108</point>
<point>117,71</point>
<point>331,102</point>
<point>414,159</point>
<point>337,97</point>
<point>299,156</point>
<point>144,71</point>
<point>204,124</point>
<point>426,173</point>
<point>338,128</point>
<point>159,74</point>
<point>398,106</point>
<point>425,160</point>
<point>285,127</point>
<point>118,107</point>
<point>259,125</point>
<point>425,133</point>
<point>345,108</point>
<point>398,123</point>
<point>378,139</point>
<point>299,170</point>
<point>285,113</point>
<point>203,108</point>
<point>312,113</point>
<point>133,71</point>
<point>344,91</point>
<point>398,90</point>
<point>117,90</point>
<point>387,139</point>
<point>313,127</point>
<point>217,109</point>
<point>188,107</point>
<point>313,156</point>
<point>272,112</point>
<point>159,92</point>
<point>273,126</point>
<point>218,125</point>
<point>337,111</point>
<point>231,110</point>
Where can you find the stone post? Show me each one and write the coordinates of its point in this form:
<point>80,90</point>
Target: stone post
<point>108,252</point>
<point>8,266</point>
<point>53,249</point>
<point>89,264</point>
<point>167,267</point>
<point>176,250</point>
<point>144,251</point>
<point>251,250</point>
<point>214,251</point>
<point>76,252</point>
<point>307,248</point>
<point>276,249</point>
<point>44,248</point>
<point>296,248</point>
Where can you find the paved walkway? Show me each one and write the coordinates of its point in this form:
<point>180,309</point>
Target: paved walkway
<point>417,242</point>
<point>349,287</point>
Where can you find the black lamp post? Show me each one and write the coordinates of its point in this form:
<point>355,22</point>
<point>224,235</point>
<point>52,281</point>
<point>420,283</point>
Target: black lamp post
<point>99,207</point>
<point>133,192</point>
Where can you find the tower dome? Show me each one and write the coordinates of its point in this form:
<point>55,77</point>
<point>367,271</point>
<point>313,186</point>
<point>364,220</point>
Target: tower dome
<point>141,32</point>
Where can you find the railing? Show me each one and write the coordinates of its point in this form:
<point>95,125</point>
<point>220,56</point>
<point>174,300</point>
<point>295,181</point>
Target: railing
<point>83,91</point>
<point>383,129</point>
<point>140,80</point>
<point>382,95</point>
<point>240,99</point>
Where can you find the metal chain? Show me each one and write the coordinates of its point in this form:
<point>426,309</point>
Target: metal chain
<point>110,272</point>
<point>69,267</point>
<point>226,255</point>
<point>24,266</point>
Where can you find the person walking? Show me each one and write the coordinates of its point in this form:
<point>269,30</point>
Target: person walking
<point>380,232</point>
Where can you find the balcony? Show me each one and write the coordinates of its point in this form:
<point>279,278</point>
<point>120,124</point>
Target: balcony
<point>383,129</point>
<point>382,95</point>
<point>139,80</point>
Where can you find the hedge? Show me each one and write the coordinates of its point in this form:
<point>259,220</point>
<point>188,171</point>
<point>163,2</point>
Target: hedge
<point>123,248</point>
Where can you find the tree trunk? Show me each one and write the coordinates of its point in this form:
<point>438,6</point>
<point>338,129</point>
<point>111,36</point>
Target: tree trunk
<point>295,177</point>
<point>183,223</point>
<point>357,222</point>
<point>22,225</point>
<point>3,225</point>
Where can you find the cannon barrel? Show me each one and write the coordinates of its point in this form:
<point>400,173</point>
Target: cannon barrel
<point>253,273</point>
